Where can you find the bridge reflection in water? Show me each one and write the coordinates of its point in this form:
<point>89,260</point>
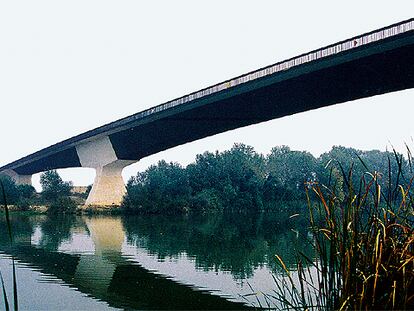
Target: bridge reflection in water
<point>102,272</point>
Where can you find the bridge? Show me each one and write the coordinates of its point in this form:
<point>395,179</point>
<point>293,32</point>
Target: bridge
<point>374,63</point>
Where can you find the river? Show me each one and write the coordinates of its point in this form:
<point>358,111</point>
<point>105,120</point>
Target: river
<point>218,261</point>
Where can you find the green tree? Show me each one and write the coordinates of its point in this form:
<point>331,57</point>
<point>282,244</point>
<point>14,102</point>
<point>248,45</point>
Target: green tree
<point>26,191</point>
<point>287,171</point>
<point>161,188</point>
<point>20,195</point>
<point>53,187</point>
<point>10,190</point>
<point>357,162</point>
<point>235,177</point>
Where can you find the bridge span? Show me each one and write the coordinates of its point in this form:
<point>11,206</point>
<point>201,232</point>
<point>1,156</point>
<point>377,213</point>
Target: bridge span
<point>374,63</point>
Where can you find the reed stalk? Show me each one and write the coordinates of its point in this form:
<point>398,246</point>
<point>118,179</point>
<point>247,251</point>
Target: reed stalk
<point>363,238</point>
<point>9,230</point>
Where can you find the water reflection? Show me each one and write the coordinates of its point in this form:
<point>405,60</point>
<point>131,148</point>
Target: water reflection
<point>198,262</point>
<point>229,242</point>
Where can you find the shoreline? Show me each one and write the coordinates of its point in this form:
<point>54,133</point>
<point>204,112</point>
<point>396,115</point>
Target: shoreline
<point>80,210</point>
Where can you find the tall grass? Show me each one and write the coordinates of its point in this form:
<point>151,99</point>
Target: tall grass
<point>364,241</point>
<point>9,230</point>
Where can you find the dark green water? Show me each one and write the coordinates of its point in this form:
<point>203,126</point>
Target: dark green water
<point>147,262</point>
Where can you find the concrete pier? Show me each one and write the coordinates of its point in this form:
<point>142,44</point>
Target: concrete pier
<point>18,179</point>
<point>108,188</point>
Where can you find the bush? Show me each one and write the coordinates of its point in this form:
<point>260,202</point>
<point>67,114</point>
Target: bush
<point>24,204</point>
<point>62,205</point>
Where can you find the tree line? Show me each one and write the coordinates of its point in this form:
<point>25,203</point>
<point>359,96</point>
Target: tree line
<point>56,194</point>
<point>240,179</point>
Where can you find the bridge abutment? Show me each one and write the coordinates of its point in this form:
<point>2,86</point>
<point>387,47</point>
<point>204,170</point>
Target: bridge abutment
<point>109,187</point>
<point>18,179</point>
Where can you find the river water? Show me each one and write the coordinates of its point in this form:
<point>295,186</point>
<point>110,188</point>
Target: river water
<point>219,261</point>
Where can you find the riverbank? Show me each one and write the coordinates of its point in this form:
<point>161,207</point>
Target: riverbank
<point>80,210</point>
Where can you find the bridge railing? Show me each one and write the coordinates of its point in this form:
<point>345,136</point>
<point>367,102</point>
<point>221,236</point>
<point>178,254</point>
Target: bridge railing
<point>340,47</point>
<point>327,51</point>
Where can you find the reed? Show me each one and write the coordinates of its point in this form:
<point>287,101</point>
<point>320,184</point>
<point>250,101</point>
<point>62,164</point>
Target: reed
<point>363,238</point>
<point>9,230</point>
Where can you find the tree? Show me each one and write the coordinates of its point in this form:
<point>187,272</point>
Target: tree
<point>232,177</point>
<point>20,195</point>
<point>53,187</point>
<point>287,171</point>
<point>345,160</point>
<point>25,191</point>
<point>161,188</point>
<point>10,190</point>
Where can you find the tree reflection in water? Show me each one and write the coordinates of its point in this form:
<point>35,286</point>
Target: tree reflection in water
<point>238,243</point>
<point>231,243</point>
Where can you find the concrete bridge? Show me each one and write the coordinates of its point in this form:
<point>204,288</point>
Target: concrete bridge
<point>374,63</point>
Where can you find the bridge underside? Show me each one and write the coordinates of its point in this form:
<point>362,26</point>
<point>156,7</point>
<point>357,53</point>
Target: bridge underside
<point>365,77</point>
<point>363,72</point>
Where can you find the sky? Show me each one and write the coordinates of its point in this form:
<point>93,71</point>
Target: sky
<point>69,66</point>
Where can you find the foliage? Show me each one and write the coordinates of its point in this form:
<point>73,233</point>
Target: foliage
<point>62,205</point>
<point>53,187</point>
<point>365,246</point>
<point>287,171</point>
<point>11,195</point>
<point>235,177</point>
<point>161,188</point>
<point>19,195</point>
<point>56,193</point>
<point>206,200</point>
<point>240,179</point>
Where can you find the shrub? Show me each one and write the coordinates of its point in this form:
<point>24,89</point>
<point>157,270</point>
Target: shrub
<point>62,205</point>
<point>24,204</point>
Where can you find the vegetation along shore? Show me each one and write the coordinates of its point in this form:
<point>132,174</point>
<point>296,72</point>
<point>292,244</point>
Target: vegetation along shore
<point>356,206</point>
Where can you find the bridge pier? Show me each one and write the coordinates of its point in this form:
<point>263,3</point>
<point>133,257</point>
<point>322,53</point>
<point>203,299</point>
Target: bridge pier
<point>18,179</point>
<point>109,187</point>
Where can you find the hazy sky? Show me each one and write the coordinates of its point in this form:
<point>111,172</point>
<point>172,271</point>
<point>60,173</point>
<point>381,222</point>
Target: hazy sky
<point>70,66</point>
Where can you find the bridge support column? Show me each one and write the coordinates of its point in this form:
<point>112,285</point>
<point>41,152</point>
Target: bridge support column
<point>108,188</point>
<point>18,179</point>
